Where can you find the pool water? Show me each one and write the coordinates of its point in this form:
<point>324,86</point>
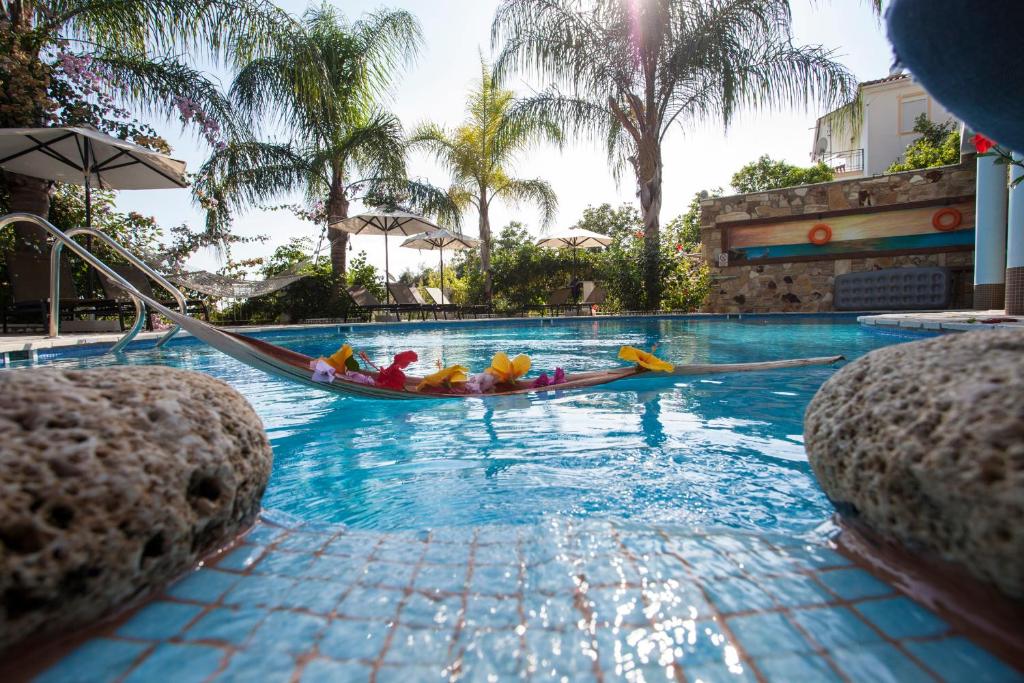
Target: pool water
<point>667,529</point>
<point>705,451</point>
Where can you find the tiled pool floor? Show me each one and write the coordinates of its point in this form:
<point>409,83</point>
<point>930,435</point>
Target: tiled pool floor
<point>565,600</point>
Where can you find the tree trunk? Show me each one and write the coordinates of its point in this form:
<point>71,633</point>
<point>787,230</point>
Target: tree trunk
<point>337,210</point>
<point>485,247</point>
<point>648,169</point>
<point>31,195</point>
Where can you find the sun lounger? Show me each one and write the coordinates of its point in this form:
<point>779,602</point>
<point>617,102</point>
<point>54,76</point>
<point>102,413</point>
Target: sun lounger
<point>29,275</point>
<point>410,300</point>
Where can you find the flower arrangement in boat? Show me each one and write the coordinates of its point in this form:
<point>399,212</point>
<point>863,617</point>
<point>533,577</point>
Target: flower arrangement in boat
<point>504,372</point>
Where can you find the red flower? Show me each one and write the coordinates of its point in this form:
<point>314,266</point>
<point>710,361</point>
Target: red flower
<point>392,376</point>
<point>639,234</point>
<point>982,143</point>
<point>679,247</point>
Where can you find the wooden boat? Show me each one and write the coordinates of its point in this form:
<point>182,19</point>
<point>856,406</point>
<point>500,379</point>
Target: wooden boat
<point>287,364</point>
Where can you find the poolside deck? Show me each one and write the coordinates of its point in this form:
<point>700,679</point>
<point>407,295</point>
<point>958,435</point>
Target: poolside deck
<point>941,321</point>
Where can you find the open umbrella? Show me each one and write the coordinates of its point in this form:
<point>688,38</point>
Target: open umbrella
<point>441,239</point>
<point>393,222</point>
<point>84,156</point>
<point>574,238</point>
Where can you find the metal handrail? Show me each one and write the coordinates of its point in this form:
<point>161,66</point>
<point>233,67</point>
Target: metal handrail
<point>124,253</point>
<point>138,297</point>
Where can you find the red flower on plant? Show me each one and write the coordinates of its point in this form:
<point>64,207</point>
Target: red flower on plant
<point>679,247</point>
<point>982,143</point>
<point>639,234</point>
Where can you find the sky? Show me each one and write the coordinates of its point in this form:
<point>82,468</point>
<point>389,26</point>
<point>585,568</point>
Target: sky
<point>456,33</point>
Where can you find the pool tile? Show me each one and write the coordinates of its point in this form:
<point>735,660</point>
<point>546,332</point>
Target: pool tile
<point>698,641</point>
<point>796,591</point>
<point>159,621</point>
<point>351,639</point>
<point>616,606</point>
<point>229,625</point>
<point>302,542</point>
<point>425,610</point>
<point>263,534</point>
<point>797,668</point>
<point>958,659</point>
<point>370,603</point>
<point>419,646</point>
<point>738,595</point>
<point>260,591</point>
<point>766,634</point>
<point>265,666</point>
<point>720,672</point>
<point>289,632</point>
<point>835,627</point>
<point>284,563</point>
<point>415,673</point>
<point>492,653</point>
<point>764,562</point>
<point>350,546</point>
<point>447,553</point>
<point>501,554</point>
<point>325,671</point>
<point>441,578</point>
<point>879,663</point>
<point>488,612</point>
<point>101,659</point>
<point>902,618</point>
<point>335,567</point>
<point>853,584</point>
<point>180,663</point>
<point>672,601</point>
<point>818,557</point>
<point>397,551</point>
<point>557,656</point>
<point>391,574</point>
<point>204,585</point>
<point>609,570</point>
<point>550,577</point>
<point>495,580</point>
<point>241,558</point>
<point>314,595</point>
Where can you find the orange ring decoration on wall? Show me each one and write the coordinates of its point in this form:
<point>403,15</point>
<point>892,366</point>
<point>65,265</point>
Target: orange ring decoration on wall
<point>940,223</point>
<point>820,234</point>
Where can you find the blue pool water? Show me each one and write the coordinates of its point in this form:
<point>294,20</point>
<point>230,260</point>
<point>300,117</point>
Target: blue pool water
<point>702,452</point>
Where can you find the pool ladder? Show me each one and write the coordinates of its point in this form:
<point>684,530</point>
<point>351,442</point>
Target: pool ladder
<point>62,239</point>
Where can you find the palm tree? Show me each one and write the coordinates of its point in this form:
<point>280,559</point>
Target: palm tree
<point>129,44</point>
<point>625,71</point>
<point>323,87</point>
<point>480,152</point>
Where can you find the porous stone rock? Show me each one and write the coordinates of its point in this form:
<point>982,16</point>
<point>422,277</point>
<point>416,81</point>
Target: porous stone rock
<point>924,443</point>
<point>112,482</point>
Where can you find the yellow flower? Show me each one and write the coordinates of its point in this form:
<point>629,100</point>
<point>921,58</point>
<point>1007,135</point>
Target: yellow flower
<point>508,371</point>
<point>449,375</point>
<point>645,360</point>
<point>339,358</point>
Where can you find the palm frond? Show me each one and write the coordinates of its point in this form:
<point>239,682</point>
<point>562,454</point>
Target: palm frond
<point>535,191</point>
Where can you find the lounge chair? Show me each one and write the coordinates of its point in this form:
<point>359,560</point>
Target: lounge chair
<point>410,300</point>
<point>593,295</point>
<point>142,283</point>
<point>445,306</point>
<point>365,300</point>
<point>29,275</point>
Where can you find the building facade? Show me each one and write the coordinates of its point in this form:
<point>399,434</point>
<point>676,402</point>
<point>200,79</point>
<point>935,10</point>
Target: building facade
<point>865,138</point>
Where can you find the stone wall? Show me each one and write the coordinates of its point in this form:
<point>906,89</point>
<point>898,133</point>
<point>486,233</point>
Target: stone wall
<point>806,286</point>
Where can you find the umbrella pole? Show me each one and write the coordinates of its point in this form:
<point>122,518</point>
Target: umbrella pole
<point>575,251</point>
<point>91,282</point>
<point>441,252</point>
<point>387,291</point>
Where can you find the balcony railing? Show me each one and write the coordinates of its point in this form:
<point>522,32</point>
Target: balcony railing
<point>846,161</point>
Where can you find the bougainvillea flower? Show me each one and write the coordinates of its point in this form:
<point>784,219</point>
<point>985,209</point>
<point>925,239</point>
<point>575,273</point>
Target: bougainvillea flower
<point>559,377</point>
<point>645,360</point>
<point>392,376</point>
<point>982,143</point>
<point>342,359</point>
<point>545,381</point>
<point>508,371</point>
<point>454,374</point>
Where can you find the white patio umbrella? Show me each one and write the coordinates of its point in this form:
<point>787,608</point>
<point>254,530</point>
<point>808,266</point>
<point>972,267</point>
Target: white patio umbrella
<point>391,223</point>
<point>441,239</point>
<point>84,156</point>
<point>575,239</point>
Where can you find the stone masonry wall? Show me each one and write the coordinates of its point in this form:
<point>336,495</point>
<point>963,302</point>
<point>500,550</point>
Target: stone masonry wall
<point>806,286</point>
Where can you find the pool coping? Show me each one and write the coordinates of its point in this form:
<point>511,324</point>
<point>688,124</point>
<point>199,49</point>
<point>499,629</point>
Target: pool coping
<point>940,321</point>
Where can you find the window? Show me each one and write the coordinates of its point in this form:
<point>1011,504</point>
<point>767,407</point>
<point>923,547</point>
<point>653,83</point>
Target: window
<point>911,107</point>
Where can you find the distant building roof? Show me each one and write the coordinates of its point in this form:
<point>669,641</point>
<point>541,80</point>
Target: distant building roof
<point>888,79</point>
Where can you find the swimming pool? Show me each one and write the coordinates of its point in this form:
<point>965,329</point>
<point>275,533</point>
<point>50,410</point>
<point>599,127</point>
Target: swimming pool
<point>705,451</point>
<point>669,529</point>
